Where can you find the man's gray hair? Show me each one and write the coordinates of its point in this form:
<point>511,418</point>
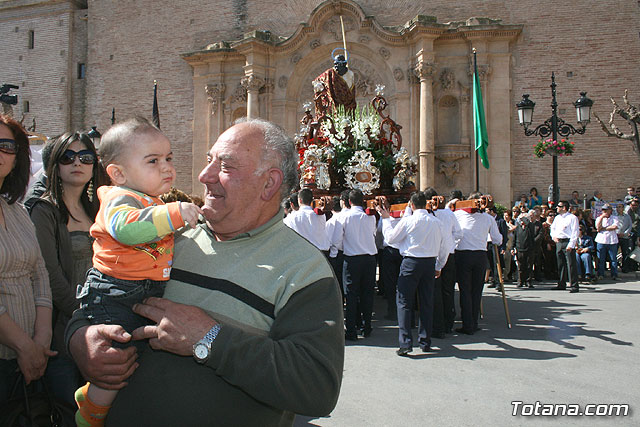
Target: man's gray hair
<point>279,151</point>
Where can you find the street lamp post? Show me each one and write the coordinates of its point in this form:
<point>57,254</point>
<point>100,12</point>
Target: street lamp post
<point>95,136</point>
<point>554,126</point>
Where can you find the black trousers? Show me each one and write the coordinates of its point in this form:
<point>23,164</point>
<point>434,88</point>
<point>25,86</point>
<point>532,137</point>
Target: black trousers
<point>359,278</point>
<point>567,266</point>
<point>471,267</point>
<point>415,274</point>
<point>524,266</point>
<point>390,270</point>
<point>336,264</point>
<point>444,307</point>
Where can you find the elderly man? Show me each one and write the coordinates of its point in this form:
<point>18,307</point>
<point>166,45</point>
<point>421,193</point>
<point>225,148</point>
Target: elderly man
<point>250,327</point>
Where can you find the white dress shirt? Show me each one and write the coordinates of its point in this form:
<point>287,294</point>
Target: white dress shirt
<point>329,229</point>
<point>419,235</point>
<point>566,226</point>
<point>606,237</point>
<point>450,225</point>
<point>475,227</point>
<point>356,232</point>
<point>309,225</point>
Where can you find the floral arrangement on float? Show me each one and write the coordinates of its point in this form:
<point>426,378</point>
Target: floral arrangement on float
<point>553,147</point>
<point>361,148</point>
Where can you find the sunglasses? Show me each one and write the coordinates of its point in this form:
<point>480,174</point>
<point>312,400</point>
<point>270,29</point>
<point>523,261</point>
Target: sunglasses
<point>8,146</point>
<point>86,157</point>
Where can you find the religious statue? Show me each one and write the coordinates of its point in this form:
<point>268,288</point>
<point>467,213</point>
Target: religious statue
<point>335,86</point>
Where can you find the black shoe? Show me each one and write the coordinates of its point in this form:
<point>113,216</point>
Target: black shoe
<point>574,289</point>
<point>350,337</point>
<point>531,286</point>
<point>367,332</point>
<point>521,285</point>
<point>439,335</point>
<point>403,351</point>
<point>464,331</point>
<point>425,348</point>
<point>560,288</point>
<point>493,285</point>
<point>615,279</point>
<point>499,288</point>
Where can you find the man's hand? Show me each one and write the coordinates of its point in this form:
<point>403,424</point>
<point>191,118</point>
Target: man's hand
<point>383,211</point>
<point>99,362</point>
<point>438,273</point>
<point>178,327</point>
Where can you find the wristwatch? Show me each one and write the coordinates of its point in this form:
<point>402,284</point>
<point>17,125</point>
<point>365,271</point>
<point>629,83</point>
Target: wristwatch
<point>202,349</point>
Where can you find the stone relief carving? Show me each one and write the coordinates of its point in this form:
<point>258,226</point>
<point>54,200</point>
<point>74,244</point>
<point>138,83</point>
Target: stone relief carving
<point>449,169</point>
<point>252,82</point>
<point>282,82</point>
<point>215,92</point>
<point>268,86</point>
<point>484,71</point>
<point>239,94</point>
<point>398,74</point>
<point>333,26</point>
<point>314,43</point>
<point>424,70</point>
<point>447,79</point>
<point>296,58</point>
<point>384,52</point>
<point>364,39</point>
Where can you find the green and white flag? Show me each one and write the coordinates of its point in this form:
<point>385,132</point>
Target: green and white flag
<point>479,122</point>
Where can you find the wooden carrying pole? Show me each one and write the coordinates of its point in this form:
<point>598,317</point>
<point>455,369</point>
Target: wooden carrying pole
<point>504,296</point>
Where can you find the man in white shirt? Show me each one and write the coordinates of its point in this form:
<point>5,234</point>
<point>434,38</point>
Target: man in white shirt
<point>444,307</point>
<point>356,232</point>
<point>425,250</point>
<point>336,257</point>
<point>607,242</point>
<point>307,223</point>
<point>471,261</point>
<point>564,231</point>
<point>390,261</point>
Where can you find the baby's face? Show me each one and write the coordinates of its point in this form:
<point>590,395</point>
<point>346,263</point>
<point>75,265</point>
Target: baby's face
<point>148,164</point>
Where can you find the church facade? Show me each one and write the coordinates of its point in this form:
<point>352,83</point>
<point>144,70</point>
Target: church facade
<point>216,61</point>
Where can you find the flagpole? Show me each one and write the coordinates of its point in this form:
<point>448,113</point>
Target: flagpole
<point>475,73</point>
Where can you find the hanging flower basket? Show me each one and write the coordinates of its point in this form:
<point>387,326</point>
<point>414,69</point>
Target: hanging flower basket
<point>553,148</point>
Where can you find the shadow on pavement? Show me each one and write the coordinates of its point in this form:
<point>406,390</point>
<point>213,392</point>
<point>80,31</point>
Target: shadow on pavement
<point>536,321</point>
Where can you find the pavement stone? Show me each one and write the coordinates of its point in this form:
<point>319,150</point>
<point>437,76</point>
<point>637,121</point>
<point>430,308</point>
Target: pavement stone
<point>562,348</point>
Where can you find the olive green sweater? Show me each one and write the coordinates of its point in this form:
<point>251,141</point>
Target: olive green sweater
<point>281,347</point>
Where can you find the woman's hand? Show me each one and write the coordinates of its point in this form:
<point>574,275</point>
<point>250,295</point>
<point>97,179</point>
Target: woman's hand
<point>32,360</point>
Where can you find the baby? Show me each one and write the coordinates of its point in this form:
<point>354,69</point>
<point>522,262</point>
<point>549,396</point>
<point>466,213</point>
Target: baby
<point>133,247</point>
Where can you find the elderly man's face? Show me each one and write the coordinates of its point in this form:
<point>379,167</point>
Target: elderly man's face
<point>234,194</point>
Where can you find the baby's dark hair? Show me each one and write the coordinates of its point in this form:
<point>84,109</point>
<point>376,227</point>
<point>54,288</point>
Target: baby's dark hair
<point>120,135</point>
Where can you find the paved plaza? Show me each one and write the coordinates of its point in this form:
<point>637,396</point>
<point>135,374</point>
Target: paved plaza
<point>563,348</point>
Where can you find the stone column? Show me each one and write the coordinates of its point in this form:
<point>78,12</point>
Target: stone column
<point>424,71</point>
<point>252,84</point>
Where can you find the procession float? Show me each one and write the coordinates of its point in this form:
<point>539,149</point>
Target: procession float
<point>345,146</point>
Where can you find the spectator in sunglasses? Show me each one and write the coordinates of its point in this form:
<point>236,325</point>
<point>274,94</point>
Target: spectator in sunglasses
<point>62,217</point>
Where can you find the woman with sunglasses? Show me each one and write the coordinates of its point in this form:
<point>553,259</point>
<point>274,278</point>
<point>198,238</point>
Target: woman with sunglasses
<point>62,217</point>
<point>25,296</point>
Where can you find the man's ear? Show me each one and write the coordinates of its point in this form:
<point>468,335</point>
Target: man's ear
<point>116,174</point>
<point>272,184</point>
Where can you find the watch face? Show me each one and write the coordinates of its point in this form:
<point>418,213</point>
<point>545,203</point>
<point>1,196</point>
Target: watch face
<point>201,351</point>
